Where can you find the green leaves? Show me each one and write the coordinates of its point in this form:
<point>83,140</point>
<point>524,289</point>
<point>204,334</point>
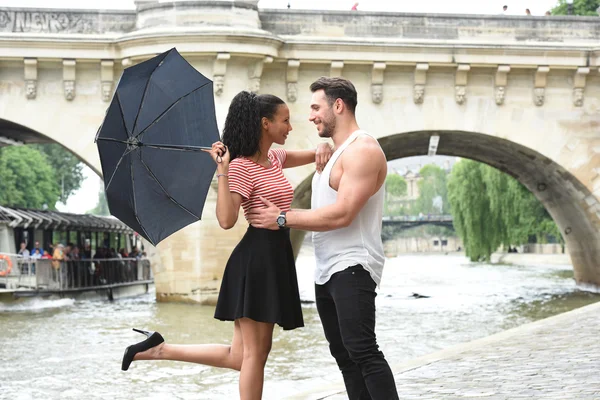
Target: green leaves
<point>67,168</point>
<point>491,209</point>
<point>26,178</point>
<point>395,188</point>
<point>395,185</point>
<point>433,192</point>
<point>580,7</point>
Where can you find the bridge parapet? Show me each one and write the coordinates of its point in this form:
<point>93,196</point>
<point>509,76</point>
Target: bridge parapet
<point>408,27</point>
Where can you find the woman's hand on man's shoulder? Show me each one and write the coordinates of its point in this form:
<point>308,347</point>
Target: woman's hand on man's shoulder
<point>322,155</point>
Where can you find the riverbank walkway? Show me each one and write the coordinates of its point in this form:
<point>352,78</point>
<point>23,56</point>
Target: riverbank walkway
<point>554,358</point>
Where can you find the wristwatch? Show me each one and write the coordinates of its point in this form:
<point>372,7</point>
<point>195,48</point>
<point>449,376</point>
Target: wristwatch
<point>281,220</point>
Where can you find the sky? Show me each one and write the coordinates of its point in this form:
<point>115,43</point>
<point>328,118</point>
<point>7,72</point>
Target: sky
<point>86,197</point>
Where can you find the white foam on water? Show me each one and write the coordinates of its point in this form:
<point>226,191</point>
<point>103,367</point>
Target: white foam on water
<point>36,304</point>
<point>588,287</point>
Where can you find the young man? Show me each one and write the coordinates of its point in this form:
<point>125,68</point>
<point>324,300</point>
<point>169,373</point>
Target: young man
<point>347,208</point>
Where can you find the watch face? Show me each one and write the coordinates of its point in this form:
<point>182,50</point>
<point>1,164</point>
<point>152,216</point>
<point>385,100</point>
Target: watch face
<point>280,220</point>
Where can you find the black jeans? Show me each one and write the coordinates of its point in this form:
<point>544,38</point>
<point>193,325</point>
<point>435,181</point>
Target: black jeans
<point>346,305</point>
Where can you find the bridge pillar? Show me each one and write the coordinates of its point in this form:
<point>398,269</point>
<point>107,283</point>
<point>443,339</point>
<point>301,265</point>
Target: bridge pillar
<point>188,266</point>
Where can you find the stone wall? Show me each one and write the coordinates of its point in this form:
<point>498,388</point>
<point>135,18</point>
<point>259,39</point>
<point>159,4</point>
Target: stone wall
<point>411,245</point>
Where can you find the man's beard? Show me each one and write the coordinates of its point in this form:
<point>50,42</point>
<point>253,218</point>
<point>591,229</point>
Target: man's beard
<point>328,128</point>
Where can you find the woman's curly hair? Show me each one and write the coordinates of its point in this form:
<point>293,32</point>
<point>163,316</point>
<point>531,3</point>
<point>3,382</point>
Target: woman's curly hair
<point>242,130</point>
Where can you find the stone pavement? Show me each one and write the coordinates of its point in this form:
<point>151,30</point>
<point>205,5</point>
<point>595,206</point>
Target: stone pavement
<point>554,358</point>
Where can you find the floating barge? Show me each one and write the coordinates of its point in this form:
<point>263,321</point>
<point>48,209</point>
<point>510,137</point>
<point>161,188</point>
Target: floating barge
<point>96,279</point>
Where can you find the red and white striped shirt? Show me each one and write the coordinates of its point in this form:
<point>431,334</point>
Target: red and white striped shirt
<point>252,180</point>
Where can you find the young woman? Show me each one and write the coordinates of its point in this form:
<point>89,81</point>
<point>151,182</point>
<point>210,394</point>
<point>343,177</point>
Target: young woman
<point>259,287</point>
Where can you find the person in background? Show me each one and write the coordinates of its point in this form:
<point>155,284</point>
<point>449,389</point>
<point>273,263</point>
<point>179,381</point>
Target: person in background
<point>35,255</point>
<point>527,12</point>
<point>355,7</point>
<point>37,247</point>
<point>58,257</point>
<point>87,250</point>
<point>23,252</point>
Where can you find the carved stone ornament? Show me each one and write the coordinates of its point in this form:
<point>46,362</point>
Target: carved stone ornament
<point>218,84</point>
<point>460,93</point>
<point>499,94</point>
<point>538,96</point>
<point>578,97</point>
<point>31,89</point>
<point>419,94</point>
<point>106,90</point>
<point>377,93</point>
<point>291,79</point>
<point>254,85</point>
<point>292,91</point>
<point>69,90</point>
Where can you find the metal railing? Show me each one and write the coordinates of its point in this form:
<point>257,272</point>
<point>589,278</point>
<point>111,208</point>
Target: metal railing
<point>417,218</point>
<point>48,274</point>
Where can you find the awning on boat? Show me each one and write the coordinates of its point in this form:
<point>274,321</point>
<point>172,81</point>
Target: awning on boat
<point>59,221</point>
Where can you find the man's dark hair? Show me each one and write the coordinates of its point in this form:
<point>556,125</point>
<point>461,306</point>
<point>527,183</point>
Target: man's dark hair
<point>337,88</point>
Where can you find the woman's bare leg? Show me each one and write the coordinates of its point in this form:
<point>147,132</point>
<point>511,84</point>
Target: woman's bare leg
<point>257,340</point>
<point>215,355</point>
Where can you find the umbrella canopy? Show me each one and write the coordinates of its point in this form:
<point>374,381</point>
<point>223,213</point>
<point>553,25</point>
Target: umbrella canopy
<point>155,176</point>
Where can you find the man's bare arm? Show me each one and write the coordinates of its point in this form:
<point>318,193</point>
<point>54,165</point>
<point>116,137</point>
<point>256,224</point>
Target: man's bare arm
<point>361,167</point>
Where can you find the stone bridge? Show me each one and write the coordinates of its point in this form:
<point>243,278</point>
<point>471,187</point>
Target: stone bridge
<point>521,94</point>
<point>393,225</point>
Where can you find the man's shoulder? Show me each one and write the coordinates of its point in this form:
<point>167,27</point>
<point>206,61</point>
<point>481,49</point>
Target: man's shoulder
<point>365,146</point>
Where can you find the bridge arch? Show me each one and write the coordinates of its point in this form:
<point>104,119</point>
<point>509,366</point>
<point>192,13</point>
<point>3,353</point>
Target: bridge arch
<point>567,200</point>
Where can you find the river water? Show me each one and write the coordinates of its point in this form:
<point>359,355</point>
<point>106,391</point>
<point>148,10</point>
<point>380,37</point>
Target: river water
<point>65,349</point>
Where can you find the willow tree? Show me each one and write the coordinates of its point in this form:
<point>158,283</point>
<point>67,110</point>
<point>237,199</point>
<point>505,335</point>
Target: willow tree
<point>491,209</point>
<point>471,209</point>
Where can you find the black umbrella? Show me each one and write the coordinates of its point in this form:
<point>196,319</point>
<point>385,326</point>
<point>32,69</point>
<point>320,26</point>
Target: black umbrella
<point>155,176</point>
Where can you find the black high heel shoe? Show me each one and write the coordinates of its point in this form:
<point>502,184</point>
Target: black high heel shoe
<point>153,339</point>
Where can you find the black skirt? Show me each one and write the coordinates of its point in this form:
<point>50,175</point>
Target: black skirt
<point>260,281</point>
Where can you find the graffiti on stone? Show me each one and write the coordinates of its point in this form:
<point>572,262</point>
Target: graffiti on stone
<point>5,19</point>
<point>63,22</point>
<point>51,23</point>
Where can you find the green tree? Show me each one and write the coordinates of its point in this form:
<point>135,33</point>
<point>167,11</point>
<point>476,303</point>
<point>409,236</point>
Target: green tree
<point>433,191</point>
<point>580,7</point>
<point>395,185</point>
<point>395,188</point>
<point>26,178</point>
<point>491,209</point>
<point>471,210</point>
<point>68,170</point>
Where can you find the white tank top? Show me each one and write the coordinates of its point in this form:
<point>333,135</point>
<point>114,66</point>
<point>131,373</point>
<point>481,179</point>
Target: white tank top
<point>359,243</point>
